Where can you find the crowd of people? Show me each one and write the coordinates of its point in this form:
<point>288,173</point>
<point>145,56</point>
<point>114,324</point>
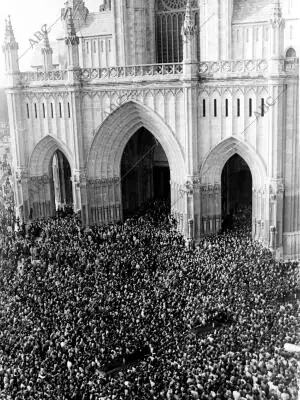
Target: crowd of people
<point>76,303</point>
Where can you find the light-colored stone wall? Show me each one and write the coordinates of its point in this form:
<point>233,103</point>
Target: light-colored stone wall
<point>90,114</point>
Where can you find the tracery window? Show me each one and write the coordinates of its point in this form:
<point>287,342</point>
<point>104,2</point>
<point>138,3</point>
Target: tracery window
<point>169,20</point>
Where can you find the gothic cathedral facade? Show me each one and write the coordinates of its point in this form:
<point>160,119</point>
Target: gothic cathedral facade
<point>163,98</point>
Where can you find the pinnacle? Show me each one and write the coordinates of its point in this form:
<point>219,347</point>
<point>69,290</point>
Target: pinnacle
<point>70,23</point>
<point>188,21</point>
<point>46,43</point>
<point>71,38</point>
<point>277,12</point>
<point>9,33</point>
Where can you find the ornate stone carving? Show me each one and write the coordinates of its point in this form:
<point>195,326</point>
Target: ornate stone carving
<point>79,176</point>
<point>190,185</point>
<point>277,20</point>
<point>171,5</point>
<point>291,66</point>
<point>210,190</point>
<point>231,68</point>
<point>104,181</point>
<point>276,188</point>
<point>21,175</point>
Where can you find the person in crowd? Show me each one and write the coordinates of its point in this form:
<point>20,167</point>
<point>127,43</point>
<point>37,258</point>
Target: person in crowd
<point>121,312</point>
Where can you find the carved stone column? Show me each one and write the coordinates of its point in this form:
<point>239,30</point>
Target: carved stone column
<point>258,229</point>
<point>205,225</point>
<point>276,195</point>
<point>80,196</point>
<point>22,195</point>
<point>272,243</point>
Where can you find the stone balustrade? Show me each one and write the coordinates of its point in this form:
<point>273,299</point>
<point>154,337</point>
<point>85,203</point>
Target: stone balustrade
<point>207,70</point>
<point>236,68</point>
<point>42,76</point>
<point>132,71</point>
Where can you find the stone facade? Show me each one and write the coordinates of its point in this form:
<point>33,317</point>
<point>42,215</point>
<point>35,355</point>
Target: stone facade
<point>229,84</point>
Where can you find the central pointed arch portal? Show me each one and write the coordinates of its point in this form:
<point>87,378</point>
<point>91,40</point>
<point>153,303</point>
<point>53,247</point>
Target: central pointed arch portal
<point>113,142</point>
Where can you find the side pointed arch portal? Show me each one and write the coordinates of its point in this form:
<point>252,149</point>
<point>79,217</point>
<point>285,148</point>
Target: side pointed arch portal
<point>233,178</point>
<point>50,178</point>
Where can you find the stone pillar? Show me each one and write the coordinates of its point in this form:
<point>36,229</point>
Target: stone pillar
<point>189,36</point>
<point>276,41</point>
<point>205,225</point>
<point>191,229</point>
<point>272,243</point>
<point>276,195</point>
<point>80,197</point>
<point>22,195</point>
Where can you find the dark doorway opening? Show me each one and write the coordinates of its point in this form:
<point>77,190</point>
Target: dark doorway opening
<point>236,192</point>
<point>145,172</point>
<point>161,182</point>
<point>62,193</point>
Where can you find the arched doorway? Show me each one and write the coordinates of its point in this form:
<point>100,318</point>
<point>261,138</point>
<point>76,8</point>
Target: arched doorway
<point>60,172</point>
<point>105,181</point>
<point>236,189</point>
<point>145,172</point>
<point>50,167</point>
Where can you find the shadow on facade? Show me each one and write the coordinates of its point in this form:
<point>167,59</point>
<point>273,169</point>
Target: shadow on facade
<point>236,192</point>
<point>61,184</point>
<point>145,172</point>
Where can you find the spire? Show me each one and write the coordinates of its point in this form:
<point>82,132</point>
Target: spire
<point>47,51</point>
<point>72,38</point>
<point>46,43</point>
<point>9,38</point>
<point>10,49</point>
<point>189,27</point>
<point>72,41</point>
